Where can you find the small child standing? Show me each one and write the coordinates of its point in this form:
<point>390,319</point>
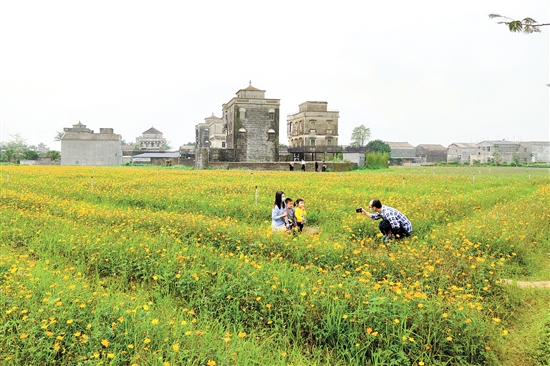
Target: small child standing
<point>300,213</point>
<point>290,219</point>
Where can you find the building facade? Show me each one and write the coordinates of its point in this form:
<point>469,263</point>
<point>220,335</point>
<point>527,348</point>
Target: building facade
<point>151,140</point>
<point>460,152</point>
<point>539,151</point>
<point>313,126</point>
<point>211,133</point>
<point>401,152</point>
<point>431,153</point>
<point>251,123</point>
<point>500,151</point>
<point>81,146</point>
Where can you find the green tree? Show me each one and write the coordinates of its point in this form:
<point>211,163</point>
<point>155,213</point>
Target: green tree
<point>9,155</point>
<point>359,136</point>
<point>378,146</point>
<point>54,155</point>
<point>527,25</point>
<point>30,155</point>
<point>58,136</point>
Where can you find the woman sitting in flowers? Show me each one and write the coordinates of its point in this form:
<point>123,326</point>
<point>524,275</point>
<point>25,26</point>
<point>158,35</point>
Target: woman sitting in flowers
<point>278,213</point>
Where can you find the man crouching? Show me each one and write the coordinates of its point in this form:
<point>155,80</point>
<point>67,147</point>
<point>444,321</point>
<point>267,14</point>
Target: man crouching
<point>393,224</point>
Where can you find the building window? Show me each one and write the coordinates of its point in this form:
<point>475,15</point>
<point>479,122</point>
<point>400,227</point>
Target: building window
<point>271,114</point>
<point>312,125</point>
<point>242,113</point>
<point>488,148</point>
<point>312,142</point>
<point>329,142</point>
<point>271,134</point>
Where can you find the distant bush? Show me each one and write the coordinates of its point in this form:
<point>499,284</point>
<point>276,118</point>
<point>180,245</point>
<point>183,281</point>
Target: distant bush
<point>376,160</point>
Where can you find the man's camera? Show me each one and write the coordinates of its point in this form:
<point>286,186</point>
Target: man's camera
<point>359,210</point>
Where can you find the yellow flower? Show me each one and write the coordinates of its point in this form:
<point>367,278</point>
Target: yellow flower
<point>449,338</point>
<point>396,321</point>
<point>105,343</point>
<point>303,293</point>
<point>111,355</point>
<point>176,347</point>
<point>70,321</point>
<point>284,354</point>
<point>241,335</point>
<point>154,321</point>
<point>504,333</point>
<point>23,336</point>
<point>420,305</point>
<point>145,307</point>
<point>211,363</point>
<point>445,315</point>
<point>146,341</point>
<point>496,320</point>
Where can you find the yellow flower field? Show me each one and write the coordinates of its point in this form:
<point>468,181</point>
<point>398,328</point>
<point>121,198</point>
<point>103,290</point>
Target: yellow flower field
<point>147,266</point>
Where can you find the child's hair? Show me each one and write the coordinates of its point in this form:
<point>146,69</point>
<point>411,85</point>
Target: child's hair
<point>288,200</point>
<point>298,201</point>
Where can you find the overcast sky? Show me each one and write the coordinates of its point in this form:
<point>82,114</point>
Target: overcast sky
<point>415,71</point>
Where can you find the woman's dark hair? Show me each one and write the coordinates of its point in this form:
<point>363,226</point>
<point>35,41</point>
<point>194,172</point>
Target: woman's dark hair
<point>376,203</point>
<point>278,200</point>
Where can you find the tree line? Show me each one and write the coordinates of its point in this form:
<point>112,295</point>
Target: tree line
<point>16,149</point>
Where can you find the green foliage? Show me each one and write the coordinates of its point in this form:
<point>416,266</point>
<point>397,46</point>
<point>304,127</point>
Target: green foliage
<point>30,155</point>
<point>359,136</point>
<point>542,351</point>
<point>54,155</point>
<point>527,25</point>
<point>376,160</point>
<point>378,146</point>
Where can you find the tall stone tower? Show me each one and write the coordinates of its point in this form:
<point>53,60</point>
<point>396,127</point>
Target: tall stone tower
<point>252,125</point>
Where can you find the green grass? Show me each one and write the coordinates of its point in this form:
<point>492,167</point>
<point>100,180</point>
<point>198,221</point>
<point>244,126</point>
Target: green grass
<point>155,266</point>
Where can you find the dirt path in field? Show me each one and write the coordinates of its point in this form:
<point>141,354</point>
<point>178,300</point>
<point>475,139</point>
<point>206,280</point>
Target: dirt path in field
<point>526,284</point>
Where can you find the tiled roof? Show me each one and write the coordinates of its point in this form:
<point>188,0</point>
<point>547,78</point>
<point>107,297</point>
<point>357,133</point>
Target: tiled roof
<point>433,146</point>
<point>400,144</point>
<point>152,131</point>
<point>90,136</point>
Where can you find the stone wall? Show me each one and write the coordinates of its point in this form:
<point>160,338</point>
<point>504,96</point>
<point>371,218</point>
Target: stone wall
<point>333,167</point>
<point>256,145</point>
<point>91,152</point>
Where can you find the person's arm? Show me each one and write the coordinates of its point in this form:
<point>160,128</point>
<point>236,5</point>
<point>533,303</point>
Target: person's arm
<point>374,216</point>
<point>278,213</point>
